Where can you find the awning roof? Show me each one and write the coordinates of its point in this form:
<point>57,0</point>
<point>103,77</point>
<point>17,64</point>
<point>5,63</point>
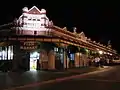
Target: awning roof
<point>4,44</point>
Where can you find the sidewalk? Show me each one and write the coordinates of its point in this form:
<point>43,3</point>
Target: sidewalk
<point>11,79</point>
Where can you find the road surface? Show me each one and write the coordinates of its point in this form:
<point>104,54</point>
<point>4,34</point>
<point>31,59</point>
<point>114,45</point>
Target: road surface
<point>108,79</point>
<point>15,79</point>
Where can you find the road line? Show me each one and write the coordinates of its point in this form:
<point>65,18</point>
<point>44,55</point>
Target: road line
<point>57,80</point>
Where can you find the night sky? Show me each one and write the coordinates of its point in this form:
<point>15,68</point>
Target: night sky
<point>100,22</point>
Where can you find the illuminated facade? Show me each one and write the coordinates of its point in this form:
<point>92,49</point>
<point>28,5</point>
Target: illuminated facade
<point>33,21</point>
<point>34,42</point>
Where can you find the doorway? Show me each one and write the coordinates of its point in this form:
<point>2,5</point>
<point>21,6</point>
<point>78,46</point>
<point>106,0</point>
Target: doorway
<point>34,57</point>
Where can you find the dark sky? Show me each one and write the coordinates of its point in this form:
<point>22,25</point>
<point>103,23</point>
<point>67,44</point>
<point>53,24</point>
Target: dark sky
<point>100,22</point>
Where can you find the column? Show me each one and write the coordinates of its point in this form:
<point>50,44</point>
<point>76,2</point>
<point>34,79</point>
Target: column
<point>77,59</point>
<point>16,57</point>
<point>20,59</point>
<point>51,60</point>
<point>43,59</point>
<point>26,62</point>
<point>66,61</point>
<point>81,60</point>
<point>85,60</point>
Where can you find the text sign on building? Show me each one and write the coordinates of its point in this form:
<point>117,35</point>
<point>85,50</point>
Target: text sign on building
<point>28,45</point>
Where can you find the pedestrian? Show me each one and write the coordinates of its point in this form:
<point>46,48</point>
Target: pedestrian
<point>97,60</point>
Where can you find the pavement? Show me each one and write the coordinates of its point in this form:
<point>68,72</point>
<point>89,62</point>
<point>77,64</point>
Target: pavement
<point>12,79</point>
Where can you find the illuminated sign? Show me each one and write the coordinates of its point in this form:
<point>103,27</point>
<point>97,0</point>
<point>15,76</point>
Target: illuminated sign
<point>28,45</point>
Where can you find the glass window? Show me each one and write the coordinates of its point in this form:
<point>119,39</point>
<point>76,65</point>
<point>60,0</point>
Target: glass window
<point>10,52</point>
<point>56,49</point>
<point>6,53</point>
<point>34,19</point>
<point>0,53</point>
<point>29,19</point>
<point>72,56</point>
<point>38,19</point>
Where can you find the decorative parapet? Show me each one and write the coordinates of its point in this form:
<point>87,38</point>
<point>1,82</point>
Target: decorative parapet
<point>89,39</point>
<point>65,28</point>
<point>34,19</point>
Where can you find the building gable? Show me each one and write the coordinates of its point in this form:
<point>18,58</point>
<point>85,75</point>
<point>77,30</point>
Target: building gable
<point>33,19</point>
<point>82,36</point>
<point>34,10</point>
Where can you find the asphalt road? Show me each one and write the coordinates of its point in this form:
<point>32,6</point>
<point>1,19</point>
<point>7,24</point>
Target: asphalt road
<point>16,79</point>
<point>13,79</point>
<point>104,80</point>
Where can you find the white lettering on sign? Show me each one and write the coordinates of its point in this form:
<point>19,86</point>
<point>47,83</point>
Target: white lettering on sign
<point>28,45</point>
<point>27,48</point>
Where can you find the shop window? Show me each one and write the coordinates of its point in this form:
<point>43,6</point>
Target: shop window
<point>56,49</point>
<point>6,53</point>
<point>72,56</point>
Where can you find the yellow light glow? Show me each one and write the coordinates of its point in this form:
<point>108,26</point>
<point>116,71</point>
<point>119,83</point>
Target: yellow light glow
<point>100,52</point>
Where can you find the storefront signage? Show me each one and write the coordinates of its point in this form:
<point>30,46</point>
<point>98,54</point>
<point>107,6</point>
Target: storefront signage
<point>28,45</point>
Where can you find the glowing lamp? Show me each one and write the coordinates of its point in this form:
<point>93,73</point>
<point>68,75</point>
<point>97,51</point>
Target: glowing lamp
<point>100,52</point>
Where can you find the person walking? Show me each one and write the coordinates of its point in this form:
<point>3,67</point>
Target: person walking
<point>97,61</point>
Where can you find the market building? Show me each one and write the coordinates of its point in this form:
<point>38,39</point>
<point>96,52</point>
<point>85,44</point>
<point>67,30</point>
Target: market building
<point>33,42</point>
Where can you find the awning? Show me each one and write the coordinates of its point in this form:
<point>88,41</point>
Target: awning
<point>4,44</point>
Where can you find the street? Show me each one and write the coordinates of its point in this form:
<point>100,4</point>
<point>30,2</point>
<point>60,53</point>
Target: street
<point>108,79</point>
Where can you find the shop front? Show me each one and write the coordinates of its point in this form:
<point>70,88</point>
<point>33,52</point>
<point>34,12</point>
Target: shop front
<point>6,57</point>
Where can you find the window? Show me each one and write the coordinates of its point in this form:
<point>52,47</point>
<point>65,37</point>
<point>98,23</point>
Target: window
<point>6,53</point>
<point>10,52</point>
<point>34,19</point>
<point>24,17</point>
<point>38,19</point>
<point>29,19</point>
<point>42,25</point>
<point>35,32</point>
<point>56,49</point>
<point>72,57</point>
<point>43,18</point>
<point>25,23</point>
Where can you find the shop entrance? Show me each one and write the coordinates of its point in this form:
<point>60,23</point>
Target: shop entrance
<point>34,57</point>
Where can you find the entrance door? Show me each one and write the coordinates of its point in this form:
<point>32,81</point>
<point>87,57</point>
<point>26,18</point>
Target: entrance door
<point>34,56</point>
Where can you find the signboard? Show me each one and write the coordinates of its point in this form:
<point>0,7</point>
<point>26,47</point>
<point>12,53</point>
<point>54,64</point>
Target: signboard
<point>28,45</point>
